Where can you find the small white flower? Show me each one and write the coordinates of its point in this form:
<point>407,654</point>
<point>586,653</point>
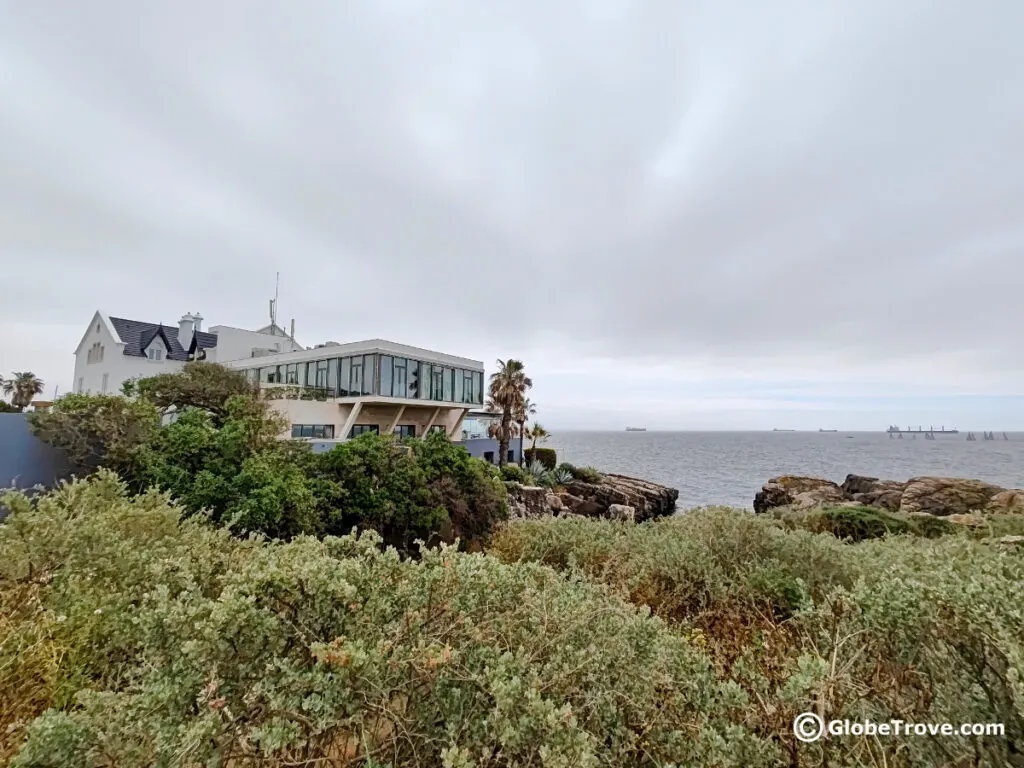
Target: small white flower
<point>98,611</point>
<point>62,618</point>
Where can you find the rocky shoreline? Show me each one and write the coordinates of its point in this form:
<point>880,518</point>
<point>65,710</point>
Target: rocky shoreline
<point>956,499</point>
<point>615,497</point>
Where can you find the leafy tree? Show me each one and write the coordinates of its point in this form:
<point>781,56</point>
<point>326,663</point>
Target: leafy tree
<point>506,395</point>
<point>21,388</point>
<point>208,386</point>
<point>97,430</point>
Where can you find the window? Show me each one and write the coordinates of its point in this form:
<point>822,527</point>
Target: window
<point>489,456</point>
<point>386,374</point>
<point>369,374</point>
<point>81,384</point>
<point>446,393</point>
<point>106,378</point>
<point>400,386</point>
<point>511,457</point>
<point>321,379</point>
<point>97,327</point>
<point>322,431</point>
<point>460,385</point>
<point>155,353</point>
<point>356,382</point>
<point>344,374</point>
<point>470,390</point>
<point>405,430</point>
<point>413,375</point>
<point>291,373</point>
<point>364,429</point>
<point>95,353</point>
<point>437,382</point>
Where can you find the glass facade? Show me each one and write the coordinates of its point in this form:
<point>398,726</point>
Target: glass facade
<point>313,430</point>
<point>384,375</point>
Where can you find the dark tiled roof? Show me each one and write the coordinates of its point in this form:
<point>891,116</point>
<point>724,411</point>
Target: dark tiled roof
<point>137,335</point>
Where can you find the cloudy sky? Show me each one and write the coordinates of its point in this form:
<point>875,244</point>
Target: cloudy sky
<point>680,213</point>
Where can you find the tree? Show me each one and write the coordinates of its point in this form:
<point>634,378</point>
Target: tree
<point>207,386</point>
<point>506,394</point>
<point>22,387</point>
<point>97,430</point>
<point>524,410</point>
<point>537,432</point>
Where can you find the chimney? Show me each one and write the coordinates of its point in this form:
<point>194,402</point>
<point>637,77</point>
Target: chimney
<point>185,327</point>
<point>198,322</point>
<point>293,329</point>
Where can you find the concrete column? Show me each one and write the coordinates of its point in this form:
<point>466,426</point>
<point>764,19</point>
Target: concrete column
<point>457,426</point>
<point>394,422</point>
<point>352,416</point>
<point>433,418</point>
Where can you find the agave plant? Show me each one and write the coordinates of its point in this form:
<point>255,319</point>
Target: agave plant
<point>561,475</point>
<point>536,470</point>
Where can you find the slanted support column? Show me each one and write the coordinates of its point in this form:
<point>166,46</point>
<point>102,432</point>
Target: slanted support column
<point>353,415</point>
<point>433,418</point>
<point>394,422</point>
<point>457,427</point>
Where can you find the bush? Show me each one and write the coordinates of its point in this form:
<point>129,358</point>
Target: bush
<point>861,523</point>
<point>546,456</point>
<point>586,474</point>
<point>513,473</point>
<point>174,644</point>
<point>904,627</point>
<point>96,430</point>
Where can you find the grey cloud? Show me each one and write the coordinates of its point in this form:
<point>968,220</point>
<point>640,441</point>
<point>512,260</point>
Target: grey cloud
<point>825,184</point>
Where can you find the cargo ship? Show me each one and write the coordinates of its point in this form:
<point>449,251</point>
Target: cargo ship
<point>636,429</point>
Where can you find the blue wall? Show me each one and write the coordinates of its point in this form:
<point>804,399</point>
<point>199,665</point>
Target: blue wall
<point>483,445</point>
<point>25,460</point>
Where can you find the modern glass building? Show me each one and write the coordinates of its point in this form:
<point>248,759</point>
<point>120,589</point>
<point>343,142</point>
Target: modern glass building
<point>338,391</point>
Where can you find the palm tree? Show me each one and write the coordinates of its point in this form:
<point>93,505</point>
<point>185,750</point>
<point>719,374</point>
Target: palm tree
<point>537,432</point>
<point>506,394</point>
<point>22,387</point>
<point>523,411</point>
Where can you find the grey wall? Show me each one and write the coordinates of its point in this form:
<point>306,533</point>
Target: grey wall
<point>482,445</point>
<point>25,460</point>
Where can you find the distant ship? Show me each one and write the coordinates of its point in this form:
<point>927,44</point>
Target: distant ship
<point>783,430</point>
<point>828,430</point>
<point>636,429</point>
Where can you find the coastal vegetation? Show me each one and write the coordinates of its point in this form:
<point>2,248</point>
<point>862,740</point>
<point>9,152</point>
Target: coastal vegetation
<point>208,594</point>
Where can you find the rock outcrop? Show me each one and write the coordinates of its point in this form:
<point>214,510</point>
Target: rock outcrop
<point>616,497</point>
<point>956,499</point>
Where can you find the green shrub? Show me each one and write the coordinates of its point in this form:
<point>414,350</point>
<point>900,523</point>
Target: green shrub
<point>513,473</point>
<point>904,627</point>
<point>175,644</point>
<point>861,523</point>
<point>548,457</point>
<point>207,386</point>
<point>586,474</point>
<point>96,430</point>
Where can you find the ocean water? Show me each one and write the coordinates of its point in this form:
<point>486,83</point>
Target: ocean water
<point>730,467</point>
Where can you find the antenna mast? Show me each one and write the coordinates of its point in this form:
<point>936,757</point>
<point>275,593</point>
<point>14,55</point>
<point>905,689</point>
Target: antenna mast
<point>273,303</point>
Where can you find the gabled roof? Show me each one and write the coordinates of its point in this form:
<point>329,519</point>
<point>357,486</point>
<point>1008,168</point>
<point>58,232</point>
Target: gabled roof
<point>137,335</point>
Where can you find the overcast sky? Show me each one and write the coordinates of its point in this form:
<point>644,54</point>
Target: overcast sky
<point>682,214</point>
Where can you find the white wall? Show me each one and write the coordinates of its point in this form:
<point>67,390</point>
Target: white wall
<point>238,343</point>
<point>117,366</point>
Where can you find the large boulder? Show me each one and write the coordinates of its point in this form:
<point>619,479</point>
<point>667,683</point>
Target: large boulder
<point>873,492</point>
<point>648,500</point>
<point>615,497</point>
<point>946,496</point>
<point>1007,502</point>
<point>798,492</point>
<point>959,500</point>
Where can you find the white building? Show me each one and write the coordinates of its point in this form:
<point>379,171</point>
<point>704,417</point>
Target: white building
<point>114,349</point>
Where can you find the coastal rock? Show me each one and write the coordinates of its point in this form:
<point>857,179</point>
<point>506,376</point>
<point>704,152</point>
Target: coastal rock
<point>959,500</point>
<point>622,512</point>
<point>526,501</point>
<point>798,492</point>
<point>615,496</point>
<point>1007,502</point>
<point>946,496</point>
<point>554,503</point>
<point>649,500</point>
